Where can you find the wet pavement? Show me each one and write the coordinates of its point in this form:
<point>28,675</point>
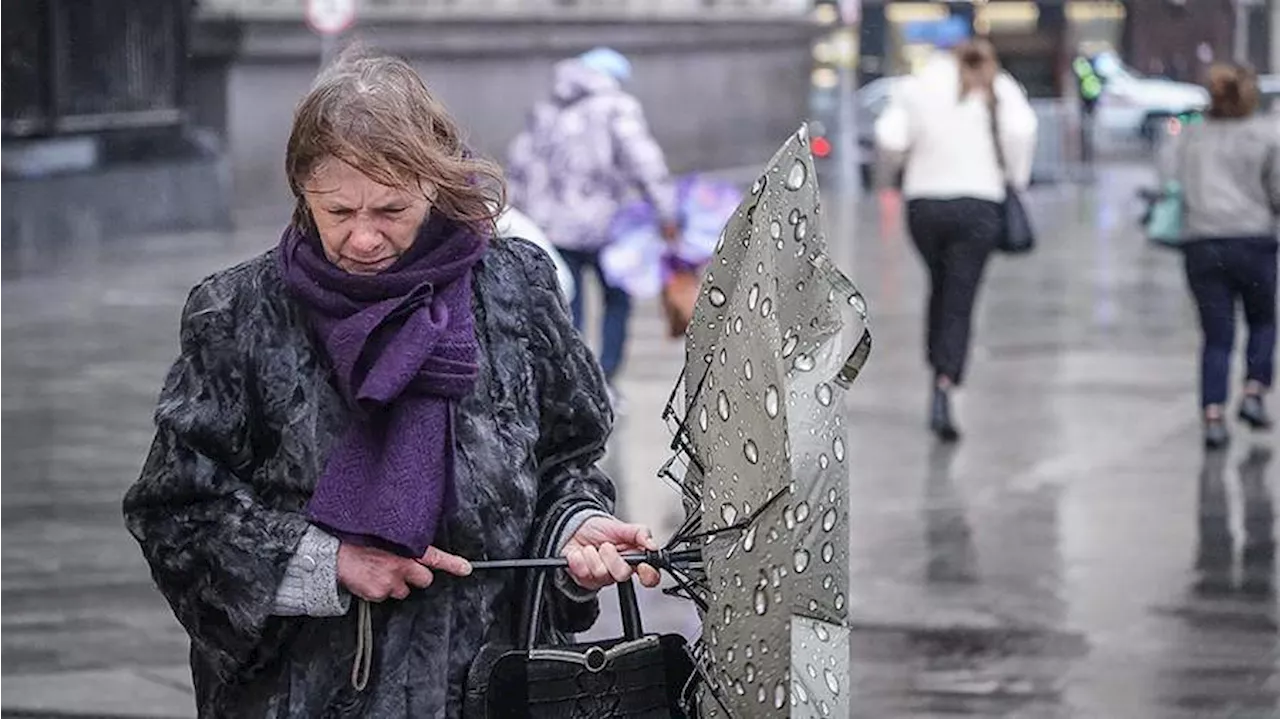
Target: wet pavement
<point>1078,554</point>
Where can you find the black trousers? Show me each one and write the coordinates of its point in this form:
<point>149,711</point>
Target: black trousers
<point>1222,272</point>
<point>955,238</point>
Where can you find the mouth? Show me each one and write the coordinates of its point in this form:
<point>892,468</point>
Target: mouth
<point>359,267</point>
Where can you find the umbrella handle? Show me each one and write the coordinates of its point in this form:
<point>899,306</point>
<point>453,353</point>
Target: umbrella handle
<point>660,559</point>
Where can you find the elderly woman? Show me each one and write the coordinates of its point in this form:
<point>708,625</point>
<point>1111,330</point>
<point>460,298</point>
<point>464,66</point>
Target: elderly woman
<point>387,391</point>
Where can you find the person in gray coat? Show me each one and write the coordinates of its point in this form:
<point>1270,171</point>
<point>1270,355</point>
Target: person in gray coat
<point>383,396</point>
<point>1228,168</point>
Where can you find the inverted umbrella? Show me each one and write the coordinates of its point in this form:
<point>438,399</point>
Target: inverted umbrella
<point>778,334</point>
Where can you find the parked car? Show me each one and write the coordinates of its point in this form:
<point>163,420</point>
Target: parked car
<point>1136,106</point>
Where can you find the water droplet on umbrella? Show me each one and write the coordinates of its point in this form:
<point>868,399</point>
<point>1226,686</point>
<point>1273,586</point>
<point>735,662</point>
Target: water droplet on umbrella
<point>811,671</point>
<point>703,422</point>
<point>829,520</point>
<point>802,229</point>
<point>738,688</point>
<point>839,601</point>
<point>803,362</point>
<point>821,631</point>
<point>823,461</point>
<point>753,297</point>
<point>724,357</point>
<point>800,286</point>
<point>779,695</point>
<point>749,672</point>
<point>837,447</point>
<point>749,539</point>
<point>832,683</point>
<point>766,307</point>
<point>802,512</point>
<point>728,615</point>
<point>859,304</point>
<point>828,552</point>
<point>747,370</point>
<point>716,297</point>
<point>722,405</point>
<point>801,560</point>
<point>831,495</point>
<point>802,135</point>
<point>751,452</point>
<point>771,401</point>
<point>737,326</point>
<point>759,268</point>
<point>824,394</point>
<point>775,229</point>
<point>728,513</point>
<point>737,580</point>
<point>827,581</point>
<point>780,245</point>
<point>761,602</point>
<point>749,651</point>
<point>789,344</point>
<point>794,216</point>
<point>813,605</point>
<point>801,693</point>
<point>720,242</point>
<point>757,186</point>
<point>822,707</point>
<point>789,517</point>
<point>761,695</point>
<point>797,175</point>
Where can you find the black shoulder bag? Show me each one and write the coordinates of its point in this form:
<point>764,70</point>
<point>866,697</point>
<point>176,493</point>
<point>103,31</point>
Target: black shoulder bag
<point>1016,235</point>
<point>637,675</point>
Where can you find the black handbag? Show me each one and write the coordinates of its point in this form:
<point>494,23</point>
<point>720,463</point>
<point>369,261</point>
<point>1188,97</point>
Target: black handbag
<point>637,675</point>
<point>1017,236</point>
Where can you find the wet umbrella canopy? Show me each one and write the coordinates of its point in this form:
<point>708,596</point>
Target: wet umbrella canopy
<point>777,336</point>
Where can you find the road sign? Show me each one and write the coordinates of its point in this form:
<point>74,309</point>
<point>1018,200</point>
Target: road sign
<point>330,17</point>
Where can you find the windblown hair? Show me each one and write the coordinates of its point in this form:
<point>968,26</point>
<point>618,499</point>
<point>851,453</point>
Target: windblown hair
<point>1233,91</point>
<point>978,67</point>
<point>374,113</point>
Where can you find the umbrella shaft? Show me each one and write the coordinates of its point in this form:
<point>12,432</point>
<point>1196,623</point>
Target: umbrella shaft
<point>682,557</point>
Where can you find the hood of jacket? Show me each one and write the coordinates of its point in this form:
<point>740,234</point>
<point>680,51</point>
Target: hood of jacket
<point>574,80</point>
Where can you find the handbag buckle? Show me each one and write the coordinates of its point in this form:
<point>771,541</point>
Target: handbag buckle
<point>595,660</point>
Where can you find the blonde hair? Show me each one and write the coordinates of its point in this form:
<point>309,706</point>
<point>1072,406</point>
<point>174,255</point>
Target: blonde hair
<point>1233,91</point>
<point>978,67</point>
<point>375,113</point>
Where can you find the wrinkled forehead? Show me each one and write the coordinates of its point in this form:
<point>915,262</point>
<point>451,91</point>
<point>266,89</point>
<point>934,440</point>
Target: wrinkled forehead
<point>344,180</point>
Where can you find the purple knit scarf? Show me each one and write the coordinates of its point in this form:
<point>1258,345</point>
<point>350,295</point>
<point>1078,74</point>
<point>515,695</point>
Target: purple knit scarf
<point>403,349</point>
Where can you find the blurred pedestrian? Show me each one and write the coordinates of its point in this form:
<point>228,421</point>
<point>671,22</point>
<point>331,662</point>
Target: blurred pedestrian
<point>1228,172</point>
<point>581,153</point>
<point>387,391</point>
<point>943,122</point>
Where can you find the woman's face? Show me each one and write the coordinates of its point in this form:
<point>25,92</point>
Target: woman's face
<point>365,226</point>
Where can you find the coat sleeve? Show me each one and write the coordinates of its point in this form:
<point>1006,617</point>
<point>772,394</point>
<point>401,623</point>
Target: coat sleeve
<point>574,425</point>
<point>1018,128</point>
<point>641,158</point>
<point>216,552</point>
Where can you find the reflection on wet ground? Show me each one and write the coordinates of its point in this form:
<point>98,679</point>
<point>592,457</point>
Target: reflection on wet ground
<point>1077,555</point>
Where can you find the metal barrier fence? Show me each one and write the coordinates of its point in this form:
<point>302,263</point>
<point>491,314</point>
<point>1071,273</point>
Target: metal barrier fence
<point>1058,156</point>
<point>90,65</point>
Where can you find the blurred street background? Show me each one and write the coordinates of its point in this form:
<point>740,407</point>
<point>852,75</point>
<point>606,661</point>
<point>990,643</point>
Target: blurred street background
<point>1078,555</point>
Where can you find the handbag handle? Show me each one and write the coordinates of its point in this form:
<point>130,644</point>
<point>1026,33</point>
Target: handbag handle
<point>535,600</point>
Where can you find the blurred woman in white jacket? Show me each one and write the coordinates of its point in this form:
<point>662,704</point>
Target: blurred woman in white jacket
<point>942,122</point>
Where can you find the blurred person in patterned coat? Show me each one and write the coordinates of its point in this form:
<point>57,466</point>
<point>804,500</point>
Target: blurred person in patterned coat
<point>583,152</point>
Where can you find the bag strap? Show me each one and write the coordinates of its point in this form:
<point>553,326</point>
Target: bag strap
<point>534,607</point>
<point>993,108</point>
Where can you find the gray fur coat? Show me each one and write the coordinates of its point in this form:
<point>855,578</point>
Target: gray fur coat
<point>245,420</point>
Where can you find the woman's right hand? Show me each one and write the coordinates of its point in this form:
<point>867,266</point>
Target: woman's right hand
<point>374,574</point>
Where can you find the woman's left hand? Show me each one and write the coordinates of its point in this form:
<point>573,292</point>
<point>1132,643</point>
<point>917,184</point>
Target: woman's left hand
<point>595,553</point>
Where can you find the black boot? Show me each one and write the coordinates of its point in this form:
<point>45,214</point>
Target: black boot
<point>940,416</point>
<point>1215,434</point>
<point>1254,413</point>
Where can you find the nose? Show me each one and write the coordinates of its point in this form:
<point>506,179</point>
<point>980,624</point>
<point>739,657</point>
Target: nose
<point>365,240</point>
